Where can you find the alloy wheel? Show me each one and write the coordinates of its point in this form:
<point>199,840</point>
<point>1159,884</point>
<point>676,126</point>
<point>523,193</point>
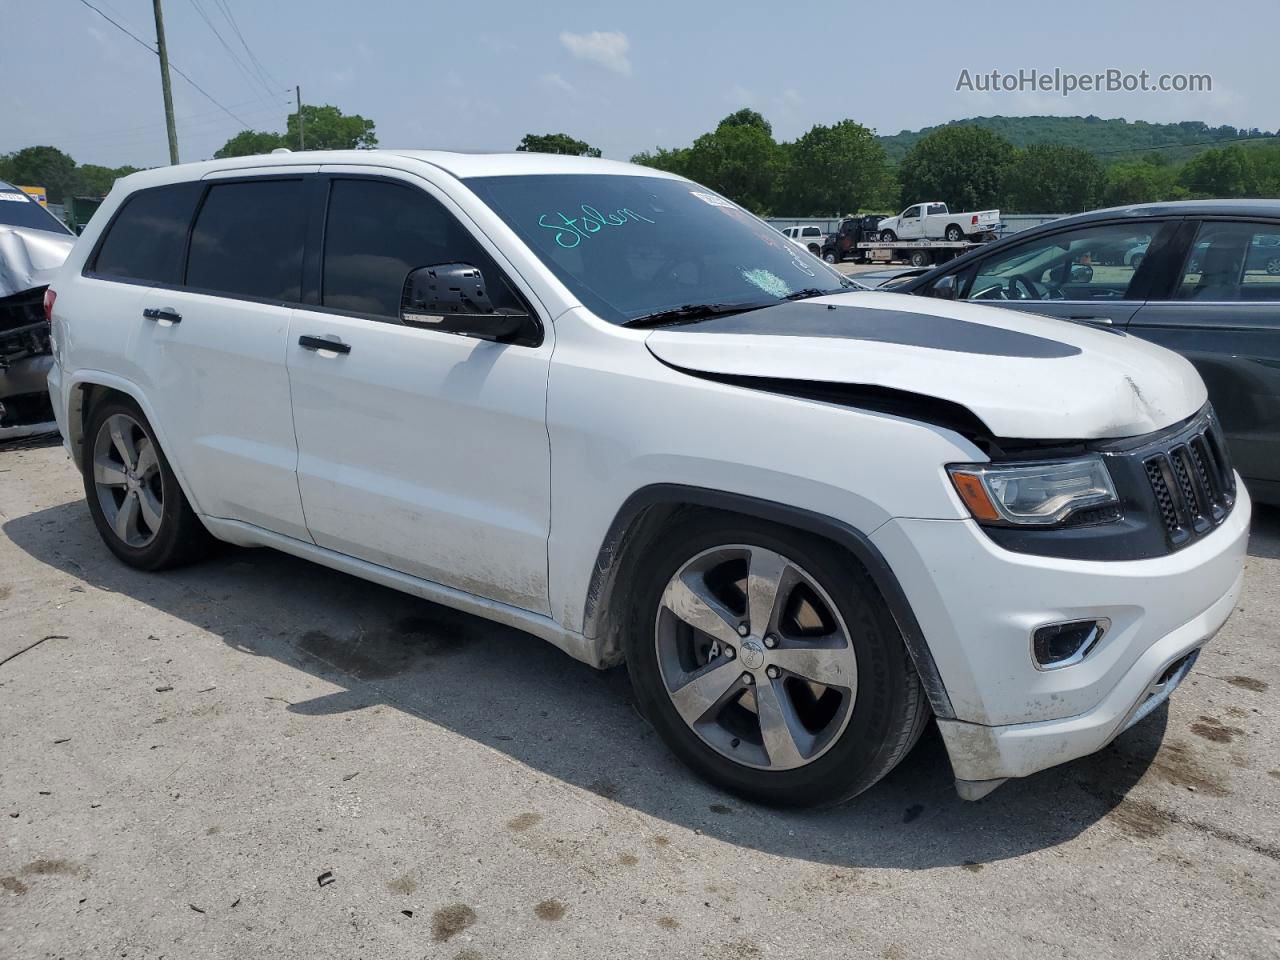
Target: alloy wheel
<point>755,657</point>
<point>128,480</point>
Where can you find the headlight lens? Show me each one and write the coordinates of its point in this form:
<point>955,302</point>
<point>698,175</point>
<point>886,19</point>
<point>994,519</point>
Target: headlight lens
<point>1033,494</point>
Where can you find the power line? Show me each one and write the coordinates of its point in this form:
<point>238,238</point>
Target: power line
<point>265,74</point>
<point>172,65</point>
<point>249,77</point>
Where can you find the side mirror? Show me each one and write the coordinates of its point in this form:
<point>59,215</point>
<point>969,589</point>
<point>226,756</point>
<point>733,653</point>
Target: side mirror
<point>944,288</point>
<point>1081,273</point>
<point>454,298</point>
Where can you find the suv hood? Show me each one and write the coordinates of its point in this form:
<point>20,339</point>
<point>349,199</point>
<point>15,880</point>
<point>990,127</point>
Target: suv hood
<point>1024,376</point>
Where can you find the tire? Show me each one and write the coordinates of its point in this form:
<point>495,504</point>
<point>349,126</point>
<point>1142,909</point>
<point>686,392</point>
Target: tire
<point>863,728</point>
<point>139,509</point>
<point>815,249</point>
<point>830,258</point>
<point>954,233</point>
<point>1273,266</point>
<point>920,258</point>
<point>888,236</point>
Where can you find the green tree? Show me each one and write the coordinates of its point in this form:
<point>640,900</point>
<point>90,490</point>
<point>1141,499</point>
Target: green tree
<point>1222,172</point>
<point>46,167</point>
<point>1052,178</point>
<point>328,128</point>
<point>672,161</point>
<point>746,117</point>
<point>246,143</point>
<point>741,162</point>
<point>834,170</point>
<point>961,165</point>
<point>92,180</point>
<point>1140,182</point>
<point>557,143</point>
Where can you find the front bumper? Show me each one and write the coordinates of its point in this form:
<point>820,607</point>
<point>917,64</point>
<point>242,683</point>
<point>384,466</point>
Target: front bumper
<point>977,605</point>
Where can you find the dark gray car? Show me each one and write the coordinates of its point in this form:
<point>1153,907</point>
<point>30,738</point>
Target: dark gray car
<point>1207,285</point>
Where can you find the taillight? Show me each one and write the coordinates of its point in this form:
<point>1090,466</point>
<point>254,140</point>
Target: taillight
<point>973,220</point>
<point>49,297</point>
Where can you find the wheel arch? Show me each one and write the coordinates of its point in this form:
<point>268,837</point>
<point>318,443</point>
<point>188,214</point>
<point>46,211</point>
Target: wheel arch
<point>646,511</point>
<point>88,388</point>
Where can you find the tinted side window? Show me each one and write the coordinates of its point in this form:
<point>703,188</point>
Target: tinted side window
<point>1233,261</point>
<point>1091,263</point>
<point>911,212</point>
<point>378,231</point>
<point>247,240</point>
<point>146,238</point>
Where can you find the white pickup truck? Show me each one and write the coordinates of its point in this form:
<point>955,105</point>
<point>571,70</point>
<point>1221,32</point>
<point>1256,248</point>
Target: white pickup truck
<point>933,221</point>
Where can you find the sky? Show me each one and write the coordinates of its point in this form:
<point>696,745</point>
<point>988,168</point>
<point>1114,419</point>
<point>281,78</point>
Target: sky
<point>624,77</point>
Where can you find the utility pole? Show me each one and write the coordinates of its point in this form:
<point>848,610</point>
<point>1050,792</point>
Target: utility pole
<point>302,133</point>
<point>163,50</point>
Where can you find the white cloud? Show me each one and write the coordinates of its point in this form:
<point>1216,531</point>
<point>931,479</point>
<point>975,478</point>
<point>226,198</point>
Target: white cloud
<point>607,48</point>
<point>558,82</point>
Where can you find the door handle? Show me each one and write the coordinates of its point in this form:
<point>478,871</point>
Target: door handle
<point>162,313</point>
<point>323,343</point>
<point>1107,321</point>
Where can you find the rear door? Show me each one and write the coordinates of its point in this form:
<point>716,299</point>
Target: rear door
<point>1222,312</point>
<point>212,348</point>
<point>420,450</point>
<point>1088,273</point>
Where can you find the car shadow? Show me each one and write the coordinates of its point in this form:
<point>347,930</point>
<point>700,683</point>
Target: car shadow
<point>518,695</point>
<point>1264,535</point>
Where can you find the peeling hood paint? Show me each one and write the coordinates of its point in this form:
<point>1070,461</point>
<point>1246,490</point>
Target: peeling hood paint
<point>28,258</point>
<point>1024,376</point>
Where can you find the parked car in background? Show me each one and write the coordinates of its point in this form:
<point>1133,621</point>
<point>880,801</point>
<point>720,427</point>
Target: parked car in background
<point>33,244</point>
<point>843,244</point>
<point>809,237</point>
<point>1201,277</point>
<point>933,221</point>
<point>612,409</point>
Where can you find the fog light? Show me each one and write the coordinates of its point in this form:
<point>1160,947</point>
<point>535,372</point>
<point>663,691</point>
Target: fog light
<point>1057,645</point>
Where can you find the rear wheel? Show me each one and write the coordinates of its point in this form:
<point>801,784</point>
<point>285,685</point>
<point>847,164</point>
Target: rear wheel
<point>134,498</point>
<point>769,664</point>
<point>954,233</point>
<point>920,258</point>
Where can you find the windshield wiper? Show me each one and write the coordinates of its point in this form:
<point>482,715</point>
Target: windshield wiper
<point>690,313</point>
<point>809,293</point>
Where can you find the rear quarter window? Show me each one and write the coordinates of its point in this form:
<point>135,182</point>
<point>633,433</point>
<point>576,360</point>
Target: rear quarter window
<point>145,240</point>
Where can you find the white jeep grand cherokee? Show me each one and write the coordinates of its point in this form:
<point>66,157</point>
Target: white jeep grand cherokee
<point>609,407</point>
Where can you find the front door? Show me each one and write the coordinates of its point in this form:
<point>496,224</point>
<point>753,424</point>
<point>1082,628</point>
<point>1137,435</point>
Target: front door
<point>419,450</point>
<point>1091,274</point>
<point>911,224</point>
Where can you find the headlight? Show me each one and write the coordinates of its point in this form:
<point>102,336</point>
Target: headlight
<point>1033,494</point>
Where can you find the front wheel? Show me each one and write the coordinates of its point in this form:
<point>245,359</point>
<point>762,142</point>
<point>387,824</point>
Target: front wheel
<point>829,257</point>
<point>888,236</point>
<point>769,663</point>
<point>920,258</point>
<point>134,498</point>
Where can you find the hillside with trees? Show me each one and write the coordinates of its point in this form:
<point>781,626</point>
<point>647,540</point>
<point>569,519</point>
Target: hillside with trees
<point>1109,139</point>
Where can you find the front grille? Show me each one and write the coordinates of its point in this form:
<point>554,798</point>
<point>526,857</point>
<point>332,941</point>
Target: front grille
<point>1193,483</point>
